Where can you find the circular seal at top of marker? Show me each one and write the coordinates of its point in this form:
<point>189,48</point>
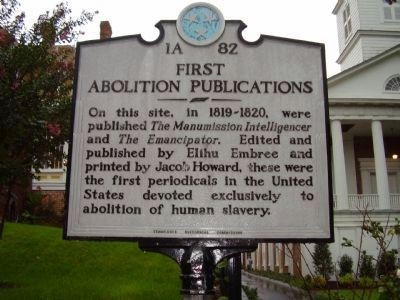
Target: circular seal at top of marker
<point>200,24</point>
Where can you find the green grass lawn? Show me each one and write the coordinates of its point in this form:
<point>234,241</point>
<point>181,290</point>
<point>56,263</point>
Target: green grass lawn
<point>35,263</point>
<point>349,295</point>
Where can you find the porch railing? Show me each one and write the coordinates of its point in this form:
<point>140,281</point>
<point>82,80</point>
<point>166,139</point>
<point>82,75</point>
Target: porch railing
<point>363,201</point>
<point>369,201</point>
<point>395,201</point>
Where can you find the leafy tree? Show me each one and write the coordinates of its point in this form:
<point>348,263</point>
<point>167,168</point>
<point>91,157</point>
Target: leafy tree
<point>36,75</point>
<point>322,260</point>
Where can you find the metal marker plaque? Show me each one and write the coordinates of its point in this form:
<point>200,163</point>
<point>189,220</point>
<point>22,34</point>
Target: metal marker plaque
<point>200,134</point>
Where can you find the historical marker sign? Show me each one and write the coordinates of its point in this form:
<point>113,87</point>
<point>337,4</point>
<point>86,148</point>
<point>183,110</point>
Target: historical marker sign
<point>200,134</point>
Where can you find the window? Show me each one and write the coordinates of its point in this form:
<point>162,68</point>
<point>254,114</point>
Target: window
<point>391,12</point>
<point>347,21</point>
<point>393,84</point>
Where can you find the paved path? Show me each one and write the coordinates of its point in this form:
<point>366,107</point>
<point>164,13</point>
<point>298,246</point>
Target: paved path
<point>268,289</point>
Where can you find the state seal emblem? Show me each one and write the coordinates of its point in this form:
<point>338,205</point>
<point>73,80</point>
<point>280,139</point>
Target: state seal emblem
<point>200,24</point>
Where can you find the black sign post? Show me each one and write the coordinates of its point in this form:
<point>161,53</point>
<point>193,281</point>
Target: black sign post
<point>197,259</point>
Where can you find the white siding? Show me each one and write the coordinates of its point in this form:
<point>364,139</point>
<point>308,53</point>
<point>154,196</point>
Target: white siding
<point>355,15</point>
<point>368,83</point>
<point>340,30</point>
<point>354,57</point>
<point>366,15</point>
<point>370,14</point>
<point>374,45</point>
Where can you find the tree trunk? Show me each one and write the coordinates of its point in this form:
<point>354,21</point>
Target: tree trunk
<point>6,205</point>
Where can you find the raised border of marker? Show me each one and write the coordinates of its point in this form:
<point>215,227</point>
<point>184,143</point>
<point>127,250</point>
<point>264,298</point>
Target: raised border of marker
<point>200,134</point>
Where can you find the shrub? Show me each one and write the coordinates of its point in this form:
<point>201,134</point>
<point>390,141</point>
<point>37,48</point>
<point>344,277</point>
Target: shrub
<point>366,282</point>
<point>319,281</point>
<point>251,293</point>
<point>367,268</point>
<point>307,282</point>
<point>346,280</point>
<point>322,259</point>
<point>39,209</point>
<point>386,263</point>
<point>221,278</point>
<point>345,265</point>
<point>33,202</point>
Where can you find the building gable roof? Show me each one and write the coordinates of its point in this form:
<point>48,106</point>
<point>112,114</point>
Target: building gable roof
<point>366,81</point>
<point>362,66</point>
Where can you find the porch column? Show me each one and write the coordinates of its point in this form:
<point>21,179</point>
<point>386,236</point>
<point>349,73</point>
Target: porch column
<point>260,257</point>
<point>266,258</point>
<point>297,270</point>
<point>275,266</point>
<point>382,179</point>
<point>253,260</point>
<point>271,260</point>
<point>339,166</point>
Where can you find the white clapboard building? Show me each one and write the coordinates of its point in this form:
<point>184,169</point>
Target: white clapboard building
<point>364,108</point>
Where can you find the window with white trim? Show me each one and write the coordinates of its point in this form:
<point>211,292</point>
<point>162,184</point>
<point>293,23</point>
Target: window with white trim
<point>347,21</point>
<point>391,12</point>
<point>393,84</point>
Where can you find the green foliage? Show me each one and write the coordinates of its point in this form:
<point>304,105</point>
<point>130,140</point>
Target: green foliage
<point>367,268</point>
<point>386,263</point>
<point>36,75</point>
<point>221,279</point>
<point>322,296</point>
<point>251,293</point>
<point>29,214</point>
<point>307,282</point>
<point>389,282</point>
<point>346,280</point>
<point>37,264</point>
<point>347,294</point>
<point>366,282</point>
<point>40,210</point>
<point>319,281</point>
<point>322,260</point>
<point>345,265</point>
<point>389,287</point>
